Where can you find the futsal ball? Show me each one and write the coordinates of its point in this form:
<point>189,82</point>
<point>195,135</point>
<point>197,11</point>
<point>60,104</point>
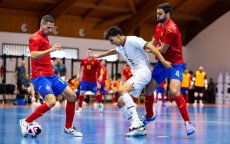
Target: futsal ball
<point>34,129</point>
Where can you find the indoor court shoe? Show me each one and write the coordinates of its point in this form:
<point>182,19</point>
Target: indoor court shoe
<point>147,120</point>
<point>136,125</point>
<point>100,107</point>
<point>73,131</point>
<point>79,110</point>
<point>24,125</point>
<point>189,128</point>
<point>137,132</point>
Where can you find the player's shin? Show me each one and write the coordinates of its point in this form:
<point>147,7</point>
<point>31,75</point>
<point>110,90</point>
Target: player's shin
<point>131,106</point>
<point>149,106</point>
<point>70,110</point>
<point>182,106</point>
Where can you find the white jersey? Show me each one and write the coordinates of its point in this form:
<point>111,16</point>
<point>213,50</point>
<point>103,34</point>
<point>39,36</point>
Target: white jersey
<point>134,53</point>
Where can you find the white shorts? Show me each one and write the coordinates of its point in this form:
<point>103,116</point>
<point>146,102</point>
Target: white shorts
<point>139,80</point>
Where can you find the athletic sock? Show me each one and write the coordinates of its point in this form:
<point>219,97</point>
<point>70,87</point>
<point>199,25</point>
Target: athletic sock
<point>70,110</point>
<point>181,104</point>
<point>149,106</point>
<point>37,113</point>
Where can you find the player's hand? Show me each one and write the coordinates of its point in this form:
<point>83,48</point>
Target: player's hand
<point>55,47</point>
<point>167,64</point>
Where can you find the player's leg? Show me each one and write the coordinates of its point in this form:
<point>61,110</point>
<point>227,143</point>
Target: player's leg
<point>201,95</point>
<point>70,111</point>
<point>43,86</point>
<point>195,96</point>
<point>175,86</point>
<point>149,100</point>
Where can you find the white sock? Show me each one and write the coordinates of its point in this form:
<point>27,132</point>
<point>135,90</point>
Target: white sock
<point>126,113</point>
<point>127,99</point>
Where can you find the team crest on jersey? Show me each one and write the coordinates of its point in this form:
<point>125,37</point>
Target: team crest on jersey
<point>47,87</point>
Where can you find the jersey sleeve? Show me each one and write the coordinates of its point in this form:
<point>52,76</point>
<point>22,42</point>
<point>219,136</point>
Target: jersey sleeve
<point>169,36</point>
<point>34,43</point>
<point>139,42</point>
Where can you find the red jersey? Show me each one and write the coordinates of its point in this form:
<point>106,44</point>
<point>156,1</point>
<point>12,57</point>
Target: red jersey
<point>127,72</point>
<point>104,75</point>
<point>169,34</point>
<point>90,69</point>
<point>41,66</point>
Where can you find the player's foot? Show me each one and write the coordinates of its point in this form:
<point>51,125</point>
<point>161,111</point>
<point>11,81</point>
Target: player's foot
<point>100,107</point>
<point>135,124</point>
<point>73,131</point>
<point>201,103</point>
<point>146,120</point>
<point>189,128</point>
<point>79,110</point>
<point>95,105</point>
<point>141,131</point>
<point>24,125</point>
<point>194,104</point>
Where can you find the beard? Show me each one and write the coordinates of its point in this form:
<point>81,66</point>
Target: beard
<point>162,20</point>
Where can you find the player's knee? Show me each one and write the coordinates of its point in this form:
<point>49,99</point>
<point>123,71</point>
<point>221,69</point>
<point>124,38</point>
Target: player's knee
<point>72,98</point>
<point>196,94</point>
<point>120,103</point>
<point>51,103</point>
<point>174,92</point>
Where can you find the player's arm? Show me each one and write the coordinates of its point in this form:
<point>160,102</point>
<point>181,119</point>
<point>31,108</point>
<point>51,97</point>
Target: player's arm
<point>163,48</point>
<point>38,54</point>
<point>156,52</point>
<point>154,42</point>
<point>106,53</point>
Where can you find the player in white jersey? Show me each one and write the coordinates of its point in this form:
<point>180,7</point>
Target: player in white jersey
<point>132,49</point>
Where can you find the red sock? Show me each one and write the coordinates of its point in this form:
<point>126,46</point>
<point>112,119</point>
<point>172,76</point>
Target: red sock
<point>163,99</point>
<point>70,110</point>
<point>99,97</point>
<point>95,100</point>
<point>37,113</point>
<point>181,104</point>
<point>134,99</point>
<point>80,101</point>
<point>186,98</point>
<point>149,106</point>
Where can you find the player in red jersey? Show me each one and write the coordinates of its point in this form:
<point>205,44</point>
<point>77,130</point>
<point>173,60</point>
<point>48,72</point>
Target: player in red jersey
<point>126,73</point>
<point>90,66</point>
<point>168,40</point>
<point>45,81</point>
<point>102,75</point>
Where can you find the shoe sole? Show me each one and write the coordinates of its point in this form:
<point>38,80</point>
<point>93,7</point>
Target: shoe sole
<point>20,122</point>
<point>72,134</point>
<point>188,134</point>
<point>149,121</point>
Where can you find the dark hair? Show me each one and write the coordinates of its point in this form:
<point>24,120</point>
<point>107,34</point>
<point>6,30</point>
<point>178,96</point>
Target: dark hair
<point>47,18</point>
<point>113,31</point>
<point>166,7</point>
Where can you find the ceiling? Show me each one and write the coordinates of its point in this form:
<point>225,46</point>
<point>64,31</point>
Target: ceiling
<point>192,16</point>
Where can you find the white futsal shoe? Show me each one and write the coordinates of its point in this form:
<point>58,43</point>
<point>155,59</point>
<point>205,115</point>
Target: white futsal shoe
<point>100,107</point>
<point>136,129</point>
<point>135,124</point>
<point>73,131</point>
<point>24,125</point>
<point>79,110</point>
<point>189,128</point>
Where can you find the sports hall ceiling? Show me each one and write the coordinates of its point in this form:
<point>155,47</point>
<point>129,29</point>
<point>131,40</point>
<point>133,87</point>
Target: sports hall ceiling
<point>192,16</point>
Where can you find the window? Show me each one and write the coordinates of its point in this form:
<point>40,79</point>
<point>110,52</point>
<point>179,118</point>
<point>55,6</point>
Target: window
<point>20,49</point>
